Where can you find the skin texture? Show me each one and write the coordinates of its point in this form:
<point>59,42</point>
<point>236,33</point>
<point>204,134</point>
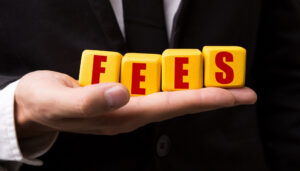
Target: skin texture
<point>47,102</point>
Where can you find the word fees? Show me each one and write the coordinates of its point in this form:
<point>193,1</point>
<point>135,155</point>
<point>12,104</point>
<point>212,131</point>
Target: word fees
<point>175,69</point>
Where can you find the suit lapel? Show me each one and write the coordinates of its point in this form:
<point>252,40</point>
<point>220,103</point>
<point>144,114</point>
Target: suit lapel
<point>177,23</point>
<point>108,22</point>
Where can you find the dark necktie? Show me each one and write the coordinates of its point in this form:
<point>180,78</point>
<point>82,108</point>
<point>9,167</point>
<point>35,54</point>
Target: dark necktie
<point>145,26</point>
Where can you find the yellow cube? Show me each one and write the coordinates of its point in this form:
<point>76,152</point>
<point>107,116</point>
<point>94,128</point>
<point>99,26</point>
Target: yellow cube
<point>141,73</point>
<point>99,67</point>
<point>182,69</point>
<point>225,66</point>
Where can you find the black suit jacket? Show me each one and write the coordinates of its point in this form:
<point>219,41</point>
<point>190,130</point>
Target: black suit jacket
<point>51,34</point>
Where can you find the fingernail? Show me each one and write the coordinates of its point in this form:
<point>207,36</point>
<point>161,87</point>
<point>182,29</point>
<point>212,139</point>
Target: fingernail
<point>116,96</point>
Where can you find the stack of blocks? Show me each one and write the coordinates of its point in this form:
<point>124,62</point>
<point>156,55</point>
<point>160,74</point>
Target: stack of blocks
<point>175,69</point>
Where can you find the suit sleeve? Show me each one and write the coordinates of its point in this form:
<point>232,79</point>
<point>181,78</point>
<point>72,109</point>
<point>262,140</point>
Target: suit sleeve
<point>277,73</point>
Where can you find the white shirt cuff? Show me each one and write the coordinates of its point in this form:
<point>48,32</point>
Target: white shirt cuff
<point>9,145</point>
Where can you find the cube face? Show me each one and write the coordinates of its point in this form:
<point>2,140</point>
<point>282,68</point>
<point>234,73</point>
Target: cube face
<point>99,67</point>
<point>225,66</point>
<point>141,73</point>
<point>182,69</point>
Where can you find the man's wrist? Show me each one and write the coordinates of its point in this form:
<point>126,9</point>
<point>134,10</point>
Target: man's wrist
<point>12,149</point>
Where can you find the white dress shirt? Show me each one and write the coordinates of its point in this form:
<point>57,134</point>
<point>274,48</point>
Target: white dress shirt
<point>11,157</point>
<point>170,8</point>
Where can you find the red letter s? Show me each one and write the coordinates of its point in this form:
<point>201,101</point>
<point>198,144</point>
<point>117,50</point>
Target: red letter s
<point>226,68</point>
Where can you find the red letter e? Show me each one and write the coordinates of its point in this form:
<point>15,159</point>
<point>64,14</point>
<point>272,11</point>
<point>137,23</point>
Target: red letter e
<point>137,78</point>
<point>180,72</point>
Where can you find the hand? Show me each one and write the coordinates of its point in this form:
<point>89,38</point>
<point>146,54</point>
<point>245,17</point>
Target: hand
<point>48,101</point>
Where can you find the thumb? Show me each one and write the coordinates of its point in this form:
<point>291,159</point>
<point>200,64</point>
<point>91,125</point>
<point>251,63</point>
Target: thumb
<point>95,99</point>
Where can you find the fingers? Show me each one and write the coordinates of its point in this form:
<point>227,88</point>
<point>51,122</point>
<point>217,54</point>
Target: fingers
<point>154,108</point>
<point>166,105</point>
<point>243,96</point>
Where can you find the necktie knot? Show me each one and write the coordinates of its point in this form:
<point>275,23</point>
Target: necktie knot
<point>145,27</point>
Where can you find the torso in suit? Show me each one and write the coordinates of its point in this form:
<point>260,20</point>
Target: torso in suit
<point>51,34</point>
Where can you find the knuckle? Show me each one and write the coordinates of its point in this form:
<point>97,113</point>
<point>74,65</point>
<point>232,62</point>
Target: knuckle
<point>84,106</point>
<point>168,99</point>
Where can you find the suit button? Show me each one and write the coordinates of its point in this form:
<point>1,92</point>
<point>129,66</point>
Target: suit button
<point>163,146</point>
